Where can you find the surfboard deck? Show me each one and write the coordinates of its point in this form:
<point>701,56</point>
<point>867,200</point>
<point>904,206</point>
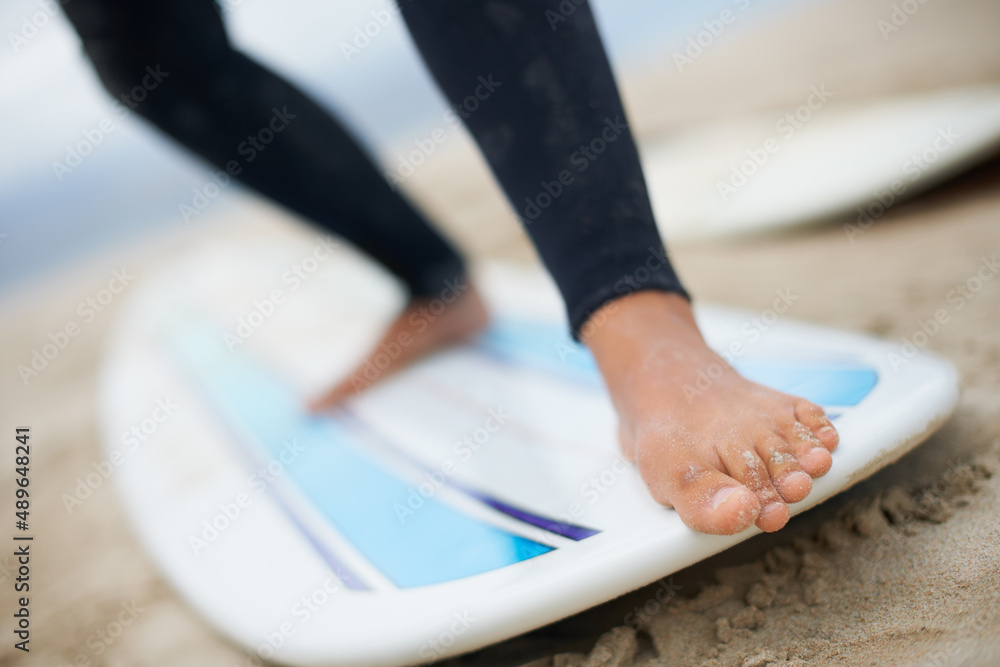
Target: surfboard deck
<point>473,497</point>
<point>764,173</point>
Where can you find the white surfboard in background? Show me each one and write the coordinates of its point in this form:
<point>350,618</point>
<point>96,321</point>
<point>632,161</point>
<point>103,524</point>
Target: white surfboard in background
<point>824,159</point>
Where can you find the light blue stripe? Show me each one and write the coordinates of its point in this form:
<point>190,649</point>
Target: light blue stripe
<point>841,384</point>
<point>549,348</point>
<point>543,346</point>
<point>433,544</point>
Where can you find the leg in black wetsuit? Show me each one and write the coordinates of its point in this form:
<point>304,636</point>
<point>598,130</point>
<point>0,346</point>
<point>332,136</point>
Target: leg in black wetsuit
<point>214,97</point>
<point>556,136</point>
<point>553,131</point>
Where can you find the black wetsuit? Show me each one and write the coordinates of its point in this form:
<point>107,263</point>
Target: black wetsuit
<point>551,127</point>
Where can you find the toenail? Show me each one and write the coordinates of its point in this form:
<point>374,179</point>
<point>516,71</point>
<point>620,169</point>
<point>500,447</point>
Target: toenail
<point>723,496</point>
<point>827,429</point>
<point>815,451</point>
<point>795,475</point>
<point>771,507</point>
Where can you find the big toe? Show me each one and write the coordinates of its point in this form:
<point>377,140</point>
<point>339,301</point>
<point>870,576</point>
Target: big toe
<point>706,499</point>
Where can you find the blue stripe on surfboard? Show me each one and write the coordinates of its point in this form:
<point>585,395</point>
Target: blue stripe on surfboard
<point>548,348</point>
<point>841,384</point>
<point>433,544</point>
<point>563,528</point>
<point>540,345</point>
<point>347,576</point>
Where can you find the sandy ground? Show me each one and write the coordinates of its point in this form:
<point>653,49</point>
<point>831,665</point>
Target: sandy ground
<point>904,569</point>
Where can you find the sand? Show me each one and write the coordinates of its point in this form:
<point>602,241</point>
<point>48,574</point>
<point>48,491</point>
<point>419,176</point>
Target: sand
<point>904,569</point>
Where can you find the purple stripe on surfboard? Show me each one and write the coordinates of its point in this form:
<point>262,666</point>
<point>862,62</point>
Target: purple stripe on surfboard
<point>562,528</point>
<point>347,577</point>
<point>572,531</point>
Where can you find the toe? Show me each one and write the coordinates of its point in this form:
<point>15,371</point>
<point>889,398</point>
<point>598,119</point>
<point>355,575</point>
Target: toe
<point>791,482</point>
<point>810,452</point>
<point>745,466</point>
<point>814,418</point>
<point>706,499</point>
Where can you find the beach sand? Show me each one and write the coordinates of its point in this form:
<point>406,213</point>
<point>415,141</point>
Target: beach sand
<point>903,569</point>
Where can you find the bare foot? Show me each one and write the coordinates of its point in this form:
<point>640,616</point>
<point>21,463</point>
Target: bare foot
<point>730,455</point>
<point>424,326</point>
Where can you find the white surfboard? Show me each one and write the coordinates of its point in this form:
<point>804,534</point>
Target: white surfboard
<point>773,171</point>
<point>473,497</point>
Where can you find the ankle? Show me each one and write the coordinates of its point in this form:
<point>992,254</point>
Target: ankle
<point>627,334</point>
<point>636,322</point>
